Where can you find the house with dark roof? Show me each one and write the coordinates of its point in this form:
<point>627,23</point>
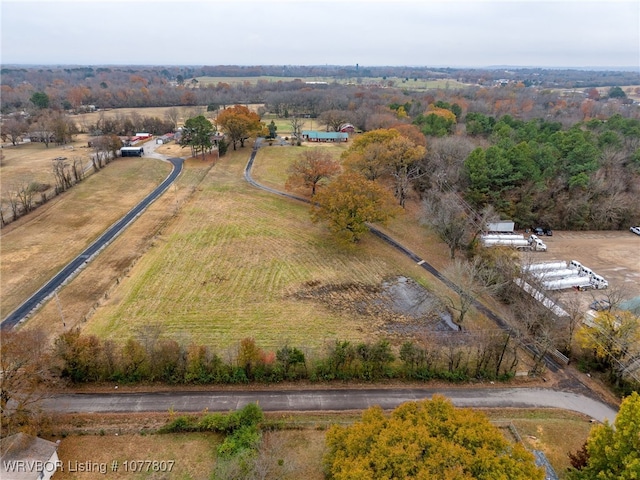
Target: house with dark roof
<point>25,457</point>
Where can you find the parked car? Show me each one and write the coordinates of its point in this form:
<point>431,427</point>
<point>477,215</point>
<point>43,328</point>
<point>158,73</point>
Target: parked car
<point>548,232</point>
<point>635,230</point>
<point>538,231</point>
<point>600,305</point>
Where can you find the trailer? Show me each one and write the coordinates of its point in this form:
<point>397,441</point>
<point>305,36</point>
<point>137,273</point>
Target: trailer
<point>553,274</point>
<point>534,267</point>
<point>514,241</point>
<point>578,281</point>
<point>502,226</point>
<point>507,236</point>
<point>131,151</point>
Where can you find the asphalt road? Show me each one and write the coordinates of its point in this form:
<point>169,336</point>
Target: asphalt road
<point>78,263</point>
<point>324,400</point>
<point>550,362</point>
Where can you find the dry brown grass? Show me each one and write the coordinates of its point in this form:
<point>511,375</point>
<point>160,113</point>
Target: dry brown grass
<point>104,438</point>
<point>193,455</point>
<point>227,267</point>
<point>31,162</point>
<point>38,245</point>
<point>84,120</point>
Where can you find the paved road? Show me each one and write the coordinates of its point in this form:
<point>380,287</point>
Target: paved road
<point>325,400</point>
<point>78,263</point>
<point>549,361</point>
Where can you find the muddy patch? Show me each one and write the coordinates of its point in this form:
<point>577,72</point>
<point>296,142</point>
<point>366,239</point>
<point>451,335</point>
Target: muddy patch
<point>397,306</point>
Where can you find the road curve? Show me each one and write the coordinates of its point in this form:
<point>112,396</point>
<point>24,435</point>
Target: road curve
<point>550,363</point>
<point>77,264</point>
<point>325,400</point>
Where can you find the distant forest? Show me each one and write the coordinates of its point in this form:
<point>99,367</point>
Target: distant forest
<point>559,148</point>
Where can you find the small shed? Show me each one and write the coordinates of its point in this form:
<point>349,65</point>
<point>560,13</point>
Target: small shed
<point>347,128</point>
<point>165,138</point>
<point>25,457</point>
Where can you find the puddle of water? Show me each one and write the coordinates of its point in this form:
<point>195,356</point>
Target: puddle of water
<point>409,298</point>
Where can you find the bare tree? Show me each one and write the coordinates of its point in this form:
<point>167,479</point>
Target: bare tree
<point>13,129</point>
<point>173,115</point>
<point>296,128</point>
<point>62,174</point>
<point>77,167</point>
<point>334,119</point>
<point>25,193</point>
<point>24,363</point>
<point>469,280</point>
<point>447,217</point>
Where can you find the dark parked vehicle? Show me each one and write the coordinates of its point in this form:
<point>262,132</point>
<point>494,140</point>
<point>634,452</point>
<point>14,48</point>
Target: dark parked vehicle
<point>600,305</point>
<point>542,231</point>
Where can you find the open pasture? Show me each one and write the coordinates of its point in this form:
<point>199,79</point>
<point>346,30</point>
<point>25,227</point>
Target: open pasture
<point>408,83</point>
<point>230,266</point>
<point>85,120</point>
<point>37,246</point>
<point>32,162</point>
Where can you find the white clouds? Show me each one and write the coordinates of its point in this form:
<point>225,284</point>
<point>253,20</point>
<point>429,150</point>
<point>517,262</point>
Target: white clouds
<point>453,33</point>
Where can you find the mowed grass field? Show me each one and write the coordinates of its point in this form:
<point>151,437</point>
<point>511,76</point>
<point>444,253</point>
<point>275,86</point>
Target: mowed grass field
<point>229,265</point>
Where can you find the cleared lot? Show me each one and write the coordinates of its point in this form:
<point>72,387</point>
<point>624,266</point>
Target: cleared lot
<point>613,254</point>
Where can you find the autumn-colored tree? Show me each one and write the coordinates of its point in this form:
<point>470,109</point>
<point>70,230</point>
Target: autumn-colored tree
<point>614,338</point>
<point>386,153</point>
<point>614,450</point>
<point>436,121</point>
<point>81,356</point>
<point>24,375</point>
<point>312,167</point>
<point>239,123</point>
<point>412,132</point>
<point>77,95</point>
<point>349,202</point>
<point>404,166</point>
<point>369,154</point>
<point>249,356</point>
<point>426,439</point>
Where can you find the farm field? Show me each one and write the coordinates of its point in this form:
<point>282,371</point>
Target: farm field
<point>84,120</point>
<point>37,246</point>
<point>300,448</point>
<point>412,84</point>
<point>236,262</point>
<point>32,247</point>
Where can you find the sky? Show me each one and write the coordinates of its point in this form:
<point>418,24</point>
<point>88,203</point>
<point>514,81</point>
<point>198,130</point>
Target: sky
<point>436,33</point>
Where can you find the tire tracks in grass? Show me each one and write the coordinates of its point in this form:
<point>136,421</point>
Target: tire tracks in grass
<point>550,363</point>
